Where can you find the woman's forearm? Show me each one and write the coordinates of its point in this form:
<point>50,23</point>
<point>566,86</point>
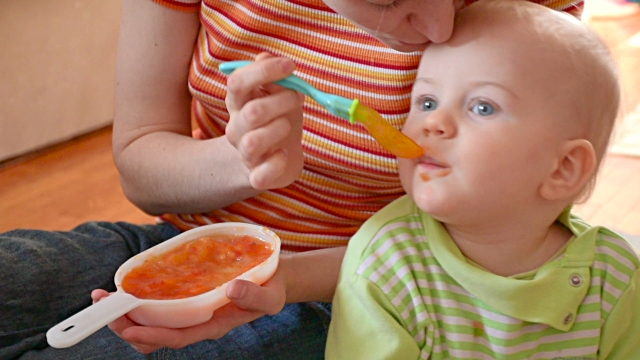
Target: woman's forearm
<point>312,275</point>
<point>162,168</point>
<point>168,172</point>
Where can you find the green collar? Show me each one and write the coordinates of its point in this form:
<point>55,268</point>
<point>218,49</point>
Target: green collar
<point>550,296</point>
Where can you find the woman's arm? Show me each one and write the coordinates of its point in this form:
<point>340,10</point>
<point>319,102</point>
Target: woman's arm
<point>162,168</point>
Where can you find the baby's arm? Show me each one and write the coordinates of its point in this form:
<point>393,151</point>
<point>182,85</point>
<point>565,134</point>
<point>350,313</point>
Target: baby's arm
<point>365,325</point>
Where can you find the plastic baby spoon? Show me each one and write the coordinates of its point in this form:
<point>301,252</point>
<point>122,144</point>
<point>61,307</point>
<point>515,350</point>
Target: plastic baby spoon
<point>389,137</point>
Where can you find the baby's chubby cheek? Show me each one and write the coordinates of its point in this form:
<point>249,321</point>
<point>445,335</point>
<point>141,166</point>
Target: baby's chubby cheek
<point>419,184</point>
<point>407,171</point>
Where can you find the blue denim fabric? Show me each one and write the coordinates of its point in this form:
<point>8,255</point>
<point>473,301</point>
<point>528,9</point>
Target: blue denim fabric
<point>46,277</point>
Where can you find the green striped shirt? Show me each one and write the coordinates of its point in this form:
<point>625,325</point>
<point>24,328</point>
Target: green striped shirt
<point>407,292</point>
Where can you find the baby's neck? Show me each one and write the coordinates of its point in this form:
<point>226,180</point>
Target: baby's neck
<point>511,251</point>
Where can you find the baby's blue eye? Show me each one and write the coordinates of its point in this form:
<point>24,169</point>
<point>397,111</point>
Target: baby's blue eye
<point>428,104</point>
<point>483,109</point>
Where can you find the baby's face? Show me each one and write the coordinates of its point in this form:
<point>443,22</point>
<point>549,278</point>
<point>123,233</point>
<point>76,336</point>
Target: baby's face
<point>486,111</point>
<point>404,25</point>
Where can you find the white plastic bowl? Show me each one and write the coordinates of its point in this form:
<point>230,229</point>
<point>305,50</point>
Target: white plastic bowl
<point>176,313</point>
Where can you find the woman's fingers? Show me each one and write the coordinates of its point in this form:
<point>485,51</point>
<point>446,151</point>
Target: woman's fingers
<point>98,294</point>
<point>267,134</point>
<point>268,298</point>
<point>149,339</point>
<point>268,173</point>
<point>122,326</point>
<point>263,123</point>
<point>244,83</point>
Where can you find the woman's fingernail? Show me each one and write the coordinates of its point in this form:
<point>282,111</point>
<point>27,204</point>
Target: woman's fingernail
<point>287,65</point>
<point>236,290</point>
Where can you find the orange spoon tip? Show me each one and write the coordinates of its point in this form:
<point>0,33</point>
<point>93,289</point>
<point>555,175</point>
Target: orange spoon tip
<point>388,136</point>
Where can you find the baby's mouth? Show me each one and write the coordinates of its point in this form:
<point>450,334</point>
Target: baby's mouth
<point>431,163</point>
<point>430,167</point>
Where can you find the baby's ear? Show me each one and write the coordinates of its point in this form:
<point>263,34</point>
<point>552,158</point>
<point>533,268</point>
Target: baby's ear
<point>575,166</point>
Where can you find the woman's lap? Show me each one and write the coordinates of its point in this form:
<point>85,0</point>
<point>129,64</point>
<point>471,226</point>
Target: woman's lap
<point>48,276</point>
<point>298,332</point>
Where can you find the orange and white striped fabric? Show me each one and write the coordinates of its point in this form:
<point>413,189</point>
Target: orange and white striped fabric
<point>348,176</point>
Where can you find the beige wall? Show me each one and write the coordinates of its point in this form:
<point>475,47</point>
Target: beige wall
<point>56,70</point>
<point>619,26</point>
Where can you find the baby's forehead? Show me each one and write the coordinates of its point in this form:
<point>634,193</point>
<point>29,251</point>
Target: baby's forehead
<point>519,27</point>
<point>497,44</point>
<point>514,17</point>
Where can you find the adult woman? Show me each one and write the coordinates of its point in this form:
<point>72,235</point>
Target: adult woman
<point>314,195</point>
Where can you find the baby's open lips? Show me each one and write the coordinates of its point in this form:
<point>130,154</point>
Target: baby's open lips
<point>431,163</point>
<point>430,167</point>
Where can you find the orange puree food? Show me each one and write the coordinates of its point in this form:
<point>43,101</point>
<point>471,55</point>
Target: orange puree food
<point>196,267</point>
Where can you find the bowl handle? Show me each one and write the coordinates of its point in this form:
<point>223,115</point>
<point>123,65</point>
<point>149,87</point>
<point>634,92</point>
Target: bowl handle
<point>79,326</point>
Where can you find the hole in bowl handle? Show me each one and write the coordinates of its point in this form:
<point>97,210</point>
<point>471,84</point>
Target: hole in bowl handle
<point>79,326</point>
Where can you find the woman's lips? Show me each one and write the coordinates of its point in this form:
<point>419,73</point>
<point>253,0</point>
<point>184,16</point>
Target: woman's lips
<point>413,47</point>
<point>406,46</point>
<point>416,44</point>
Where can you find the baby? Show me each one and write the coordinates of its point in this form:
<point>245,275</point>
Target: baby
<point>482,258</point>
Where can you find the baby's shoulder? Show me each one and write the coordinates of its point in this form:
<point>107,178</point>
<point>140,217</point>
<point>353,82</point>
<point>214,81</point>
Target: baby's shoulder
<point>612,249</point>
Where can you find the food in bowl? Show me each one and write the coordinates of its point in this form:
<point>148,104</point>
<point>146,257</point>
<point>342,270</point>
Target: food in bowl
<point>196,267</point>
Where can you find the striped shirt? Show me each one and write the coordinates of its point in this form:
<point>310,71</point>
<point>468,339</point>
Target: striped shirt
<point>347,175</point>
<point>407,292</point>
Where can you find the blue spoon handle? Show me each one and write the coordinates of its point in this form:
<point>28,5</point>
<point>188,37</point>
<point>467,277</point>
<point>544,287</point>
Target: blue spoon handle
<point>337,105</point>
<point>292,82</point>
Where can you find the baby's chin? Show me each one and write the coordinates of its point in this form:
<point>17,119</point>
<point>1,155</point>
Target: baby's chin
<point>425,202</point>
<point>434,204</point>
